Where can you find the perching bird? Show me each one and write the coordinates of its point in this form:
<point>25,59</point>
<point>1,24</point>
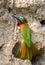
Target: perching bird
<point>27,49</point>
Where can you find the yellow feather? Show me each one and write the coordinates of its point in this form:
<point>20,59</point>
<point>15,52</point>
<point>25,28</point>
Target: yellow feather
<point>23,51</point>
<point>34,50</point>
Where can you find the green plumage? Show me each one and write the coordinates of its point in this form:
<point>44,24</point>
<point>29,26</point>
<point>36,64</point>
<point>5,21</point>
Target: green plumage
<point>27,49</point>
<point>26,35</point>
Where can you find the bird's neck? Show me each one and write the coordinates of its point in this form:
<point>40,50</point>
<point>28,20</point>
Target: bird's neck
<point>23,25</point>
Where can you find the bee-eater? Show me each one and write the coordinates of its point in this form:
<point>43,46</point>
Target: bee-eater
<point>27,49</point>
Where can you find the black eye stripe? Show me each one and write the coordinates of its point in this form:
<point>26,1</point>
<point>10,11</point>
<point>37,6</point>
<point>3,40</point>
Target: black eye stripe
<point>19,19</point>
<point>16,17</point>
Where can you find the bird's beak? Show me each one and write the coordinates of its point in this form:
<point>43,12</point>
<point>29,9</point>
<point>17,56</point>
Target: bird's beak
<point>15,17</point>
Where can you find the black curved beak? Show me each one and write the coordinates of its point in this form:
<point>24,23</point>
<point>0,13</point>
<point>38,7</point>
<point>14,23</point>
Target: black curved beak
<point>15,17</point>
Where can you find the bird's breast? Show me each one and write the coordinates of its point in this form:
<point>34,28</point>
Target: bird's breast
<point>22,26</point>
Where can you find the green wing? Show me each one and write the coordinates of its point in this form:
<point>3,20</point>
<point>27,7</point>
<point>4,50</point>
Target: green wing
<point>26,34</point>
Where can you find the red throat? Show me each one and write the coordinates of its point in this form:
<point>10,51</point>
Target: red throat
<point>18,22</point>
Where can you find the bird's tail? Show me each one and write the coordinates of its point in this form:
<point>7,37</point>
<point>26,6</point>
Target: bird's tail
<point>34,50</point>
<point>24,52</point>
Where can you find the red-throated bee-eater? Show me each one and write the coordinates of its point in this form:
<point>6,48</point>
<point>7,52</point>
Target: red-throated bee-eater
<point>27,49</point>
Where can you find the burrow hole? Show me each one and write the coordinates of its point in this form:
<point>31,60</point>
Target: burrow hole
<point>16,48</point>
<point>42,22</point>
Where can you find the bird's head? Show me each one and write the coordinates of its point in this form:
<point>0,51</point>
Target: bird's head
<point>20,20</point>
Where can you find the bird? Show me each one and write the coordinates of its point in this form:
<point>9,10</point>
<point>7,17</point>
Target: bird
<point>27,49</point>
